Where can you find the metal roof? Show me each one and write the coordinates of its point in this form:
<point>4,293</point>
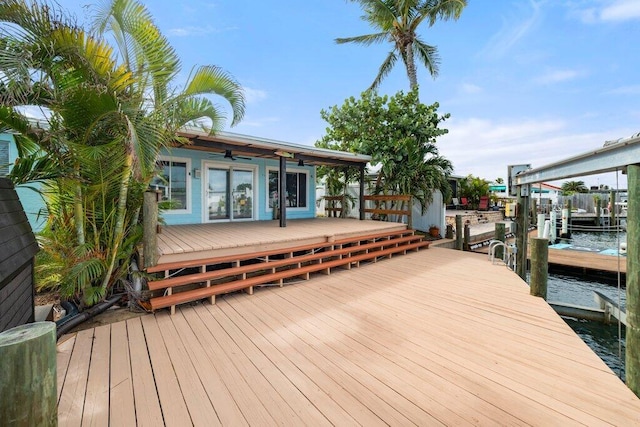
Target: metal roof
<point>267,148</point>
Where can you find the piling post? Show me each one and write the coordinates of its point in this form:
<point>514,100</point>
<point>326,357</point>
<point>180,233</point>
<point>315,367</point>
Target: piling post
<point>632,366</point>
<point>150,228</point>
<point>612,209</point>
<point>522,230</point>
<point>598,212</point>
<point>500,235</point>
<point>534,208</point>
<point>540,224</point>
<point>467,237</point>
<point>539,267</point>
<point>28,375</point>
<point>459,232</point>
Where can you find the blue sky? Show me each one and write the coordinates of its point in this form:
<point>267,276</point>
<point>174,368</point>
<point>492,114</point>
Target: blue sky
<point>524,81</point>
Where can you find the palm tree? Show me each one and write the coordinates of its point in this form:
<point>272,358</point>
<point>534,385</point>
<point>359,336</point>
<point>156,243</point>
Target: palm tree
<point>107,122</point>
<point>570,187</point>
<point>397,22</point>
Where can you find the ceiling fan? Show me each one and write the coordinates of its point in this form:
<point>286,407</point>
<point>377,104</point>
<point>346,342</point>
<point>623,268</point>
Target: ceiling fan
<point>228,154</point>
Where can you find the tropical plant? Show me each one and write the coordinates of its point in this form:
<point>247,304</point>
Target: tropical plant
<point>106,122</point>
<point>397,22</point>
<point>473,187</point>
<point>570,187</point>
<point>399,133</point>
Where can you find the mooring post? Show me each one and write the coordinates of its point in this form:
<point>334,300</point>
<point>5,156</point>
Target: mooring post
<point>522,230</point>
<point>612,209</point>
<point>569,207</point>
<point>534,209</point>
<point>459,232</point>
<point>540,224</point>
<point>28,375</point>
<point>150,228</point>
<point>598,212</point>
<point>500,235</point>
<point>467,237</point>
<point>632,366</point>
<point>539,267</point>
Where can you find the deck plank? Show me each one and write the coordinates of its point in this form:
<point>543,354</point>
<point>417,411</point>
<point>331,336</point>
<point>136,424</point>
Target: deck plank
<point>75,384</point>
<point>195,396</point>
<point>63,357</point>
<point>171,399</point>
<point>96,405</point>
<point>433,337</point>
<point>122,401</point>
<point>148,412</point>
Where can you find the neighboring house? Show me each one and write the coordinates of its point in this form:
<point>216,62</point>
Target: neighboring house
<point>31,200</point>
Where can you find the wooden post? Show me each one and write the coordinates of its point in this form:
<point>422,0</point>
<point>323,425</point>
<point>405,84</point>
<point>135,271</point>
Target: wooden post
<point>459,231</point>
<point>598,212</point>
<point>150,228</point>
<point>612,209</point>
<point>569,207</point>
<point>539,267</point>
<point>28,375</point>
<point>500,235</point>
<point>632,366</point>
<point>534,209</point>
<point>282,191</point>
<point>467,237</point>
<point>522,230</point>
<point>361,196</point>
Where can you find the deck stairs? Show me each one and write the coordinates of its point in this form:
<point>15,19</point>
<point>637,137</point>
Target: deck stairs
<point>193,280</point>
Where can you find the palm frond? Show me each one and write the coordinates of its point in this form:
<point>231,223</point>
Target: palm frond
<point>384,70</point>
<point>428,55</point>
<point>367,39</point>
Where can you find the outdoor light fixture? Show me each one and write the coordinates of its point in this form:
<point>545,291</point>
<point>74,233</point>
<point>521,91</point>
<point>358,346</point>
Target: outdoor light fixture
<point>228,155</point>
<point>300,162</point>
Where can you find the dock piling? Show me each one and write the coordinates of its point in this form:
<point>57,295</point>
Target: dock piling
<point>500,235</point>
<point>459,232</point>
<point>539,267</point>
<point>632,367</point>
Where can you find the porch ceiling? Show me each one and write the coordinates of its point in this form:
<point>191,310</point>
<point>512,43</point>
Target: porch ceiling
<point>243,145</point>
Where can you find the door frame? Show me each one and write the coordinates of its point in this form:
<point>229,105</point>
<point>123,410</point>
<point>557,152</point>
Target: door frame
<point>230,167</point>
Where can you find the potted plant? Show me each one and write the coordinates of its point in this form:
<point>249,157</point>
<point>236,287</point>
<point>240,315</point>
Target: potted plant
<point>434,230</point>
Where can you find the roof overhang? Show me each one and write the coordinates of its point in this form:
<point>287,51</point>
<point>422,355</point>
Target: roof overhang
<point>244,145</point>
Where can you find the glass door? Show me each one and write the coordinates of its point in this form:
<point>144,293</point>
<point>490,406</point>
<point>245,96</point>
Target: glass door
<point>242,194</point>
<point>229,193</point>
<point>217,194</point>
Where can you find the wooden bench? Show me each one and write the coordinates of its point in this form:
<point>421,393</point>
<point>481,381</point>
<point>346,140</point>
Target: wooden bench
<point>298,261</point>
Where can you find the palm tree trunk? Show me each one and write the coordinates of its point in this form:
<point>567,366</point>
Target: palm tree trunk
<point>78,211</point>
<point>411,66</point>
<point>118,232</point>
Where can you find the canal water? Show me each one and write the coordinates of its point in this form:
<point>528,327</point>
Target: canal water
<point>604,340</point>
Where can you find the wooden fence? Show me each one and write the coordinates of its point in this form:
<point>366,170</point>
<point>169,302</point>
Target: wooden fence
<point>384,207</point>
<point>19,247</point>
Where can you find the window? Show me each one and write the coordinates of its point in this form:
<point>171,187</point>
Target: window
<point>296,189</point>
<point>172,181</point>
<point>4,158</point>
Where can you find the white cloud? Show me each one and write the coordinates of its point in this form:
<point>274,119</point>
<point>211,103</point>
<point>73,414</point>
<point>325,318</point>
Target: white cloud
<point>513,29</point>
<point>253,96</point>
<point>611,11</point>
<point>470,89</point>
<point>485,148</point>
<point>621,10</point>
<point>556,76</point>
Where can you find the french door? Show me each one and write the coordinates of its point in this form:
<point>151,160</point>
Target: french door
<point>229,193</point>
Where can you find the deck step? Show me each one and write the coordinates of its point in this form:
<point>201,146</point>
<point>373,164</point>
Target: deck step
<point>268,265</point>
<point>205,292</point>
<point>301,248</point>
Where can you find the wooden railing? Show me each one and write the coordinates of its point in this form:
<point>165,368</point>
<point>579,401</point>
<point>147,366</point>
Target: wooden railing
<point>384,205</point>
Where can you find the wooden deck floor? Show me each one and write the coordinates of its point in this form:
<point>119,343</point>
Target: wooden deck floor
<point>437,337</point>
<point>195,241</point>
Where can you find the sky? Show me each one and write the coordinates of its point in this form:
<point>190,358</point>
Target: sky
<point>525,82</point>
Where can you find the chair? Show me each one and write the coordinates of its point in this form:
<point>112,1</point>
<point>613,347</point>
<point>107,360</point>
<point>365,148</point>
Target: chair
<point>456,203</point>
<point>484,203</point>
<point>464,203</point>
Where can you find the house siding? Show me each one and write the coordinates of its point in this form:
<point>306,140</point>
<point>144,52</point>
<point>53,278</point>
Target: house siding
<point>199,159</point>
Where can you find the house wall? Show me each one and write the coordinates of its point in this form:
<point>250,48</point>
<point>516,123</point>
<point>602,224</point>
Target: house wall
<point>31,200</point>
<point>197,160</point>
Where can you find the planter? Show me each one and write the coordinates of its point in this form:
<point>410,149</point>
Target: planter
<point>434,231</point>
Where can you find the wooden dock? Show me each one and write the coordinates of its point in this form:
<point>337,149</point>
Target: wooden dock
<point>437,337</point>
